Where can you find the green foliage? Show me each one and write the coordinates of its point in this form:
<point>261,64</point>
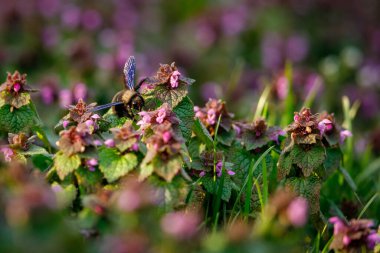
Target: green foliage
<point>202,133</point>
<point>308,158</point>
<point>167,169</point>
<point>185,112</point>
<point>169,95</point>
<point>212,186</point>
<point>17,120</point>
<point>64,164</point>
<point>114,165</point>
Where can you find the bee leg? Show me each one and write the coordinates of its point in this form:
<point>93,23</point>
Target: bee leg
<point>129,112</point>
<point>137,87</point>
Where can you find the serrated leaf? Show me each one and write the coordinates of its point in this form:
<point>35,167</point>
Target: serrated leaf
<point>64,164</point>
<point>185,112</point>
<point>145,170</point>
<point>308,188</point>
<point>167,169</point>
<point>172,96</point>
<point>88,178</point>
<point>307,139</point>
<point>202,133</point>
<point>226,137</point>
<point>333,159</point>
<point>20,119</point>
<point>308,158</point>
<point>115,165</point>
<point>241,158</point>
<point>284,165</point>
<point>252,142</point>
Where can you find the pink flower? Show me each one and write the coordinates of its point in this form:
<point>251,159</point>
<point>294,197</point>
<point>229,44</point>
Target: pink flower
<point>65,98</point>
<point>282,87</point>
<point>79,91</point>
<point>297,212</point>
<point>95,116</point>
<point>296,118</point>
<point>174,79</point>
<point>325,126</point>
<point>339,225</point>
<point>110,143</point>
<point>91,163</point>
<point>166,136</point>
<point>180,225</point>
<point>230,172</point>
<point>202,174</point>
<point>65,123</point>
<point>146,118</point>
<point>135,147</point>
<point>161,115</point>
<point>344,134</point>
<point>89,123</point>
<point>129,200</point>
<point>8,153</point>
<point>211,116</point>
<point>16,87</point>
<point>97,143</point>
<point>372,240</point>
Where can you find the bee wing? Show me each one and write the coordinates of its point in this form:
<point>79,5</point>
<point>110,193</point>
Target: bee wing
<point>129,72</point>
<point>101,107</point>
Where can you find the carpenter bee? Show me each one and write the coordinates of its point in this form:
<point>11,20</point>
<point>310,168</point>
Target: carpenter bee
<point>128,101</point>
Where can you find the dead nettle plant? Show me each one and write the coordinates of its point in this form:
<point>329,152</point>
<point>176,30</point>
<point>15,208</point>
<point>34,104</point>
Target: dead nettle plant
<point>199,156</point>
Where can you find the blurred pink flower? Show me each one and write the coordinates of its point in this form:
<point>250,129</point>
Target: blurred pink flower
<point>70,17</point>
<point>91,19</point>
<point>297,212</point>
<point>161,115</point>
<point>8,153</point>
<point>79,91</point>
<point>47,94</point>
<point>180,225</point>
<point>65,98</point>
<point>344,134</point>
<point>211,116</point>
<point>166,136</point>
<point>110,143</point>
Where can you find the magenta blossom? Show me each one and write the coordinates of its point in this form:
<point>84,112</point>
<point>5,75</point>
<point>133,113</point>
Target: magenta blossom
<point>8,153</point>
<point>180,225</point>
<point>110,143</point>
<point>65,123</point>
<point>325,126</point>
<point>161,115</point>
<point>297,212</point>
<point>344,134</point>
<point>166,136</point>
<point>211,116</point>
<point>91,163</point>
<point>174,79</point>
<point>79,91</point>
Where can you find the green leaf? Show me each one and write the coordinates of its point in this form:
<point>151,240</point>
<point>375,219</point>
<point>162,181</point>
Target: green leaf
<point>115,165</point>
<point>167,169</point>
<point>252,142</point>
<point>208,183</point>
<point>333,159</point>
<point>202,133</point>
<point>172,96</point>
<point>308,188</point>
<point>146,169</point>
<point>241,158</point>
<point>64,164</point>
<point>308,158</point>
<point>18,120</point>
<point>65,195</point>
<point>185,112</point>
<point>34,150</point>
<point>88,178</point>
<point>284,165</point>
<point>226,137</point>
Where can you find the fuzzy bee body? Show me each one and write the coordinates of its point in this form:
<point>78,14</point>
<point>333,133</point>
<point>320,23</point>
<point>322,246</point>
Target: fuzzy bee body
<point>128,101</point>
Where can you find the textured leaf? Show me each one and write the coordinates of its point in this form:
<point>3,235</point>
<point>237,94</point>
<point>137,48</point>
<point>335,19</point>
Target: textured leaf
<point>241,158</point>
<point>284,165</point>
<point>145,170</point>
<point>88,178</point>
<point>172,96</point>
<point>202,133</point>
<point>185,112</point>
<point>308,139</point>
<point>333,159</point>
<point>64,164</point>
<point>252,142</point>
<point>18,120</point>
<point>168,169</point>
<point>209,184</point>
<point>308,158</point>
<point>226,137</point>
<point>114,165</point>
<point>308,188</point>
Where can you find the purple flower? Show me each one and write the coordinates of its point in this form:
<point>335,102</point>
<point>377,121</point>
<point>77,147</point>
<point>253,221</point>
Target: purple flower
<point>129,200</point>
<point>47,94</point>
<point>110,143</point>
<point>91,19</point>
<point>135,147</point>
<point>297,212</point>
<point>180,225</point>
<point>325,126</point>
<point>174,79</point>
<point>339,225</point>
<point>166,136</point>
<point>146,118</point>
<point>344,134</point>
<point>372,240</point>
<point>202,173</point>
<point>161,115</point>
<point>91,163</point>
<point>211,116</point>
<point>97,143</point>
<point>16,87</point>
<point>71,17</point>
<point>79,91</point>
<point>65,123</point>
<point>8,153</point>
<point>65,98</point>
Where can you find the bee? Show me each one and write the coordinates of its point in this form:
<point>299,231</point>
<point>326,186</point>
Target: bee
<point>128,101</point>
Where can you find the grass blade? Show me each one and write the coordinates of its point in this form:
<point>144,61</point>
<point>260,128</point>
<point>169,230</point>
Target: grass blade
<point>367,205</point>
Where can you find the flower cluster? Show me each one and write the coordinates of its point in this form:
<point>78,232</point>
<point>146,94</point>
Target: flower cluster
<point>125,138</point>
<point>159,116</point>
<point>207,164</point>
<point>15,91</point>
<point>354,235</point>
<point>168,75</point>
<point>210,114</point>
<point>304,129</point>
<point>71,141</point>
<point>17,143</point>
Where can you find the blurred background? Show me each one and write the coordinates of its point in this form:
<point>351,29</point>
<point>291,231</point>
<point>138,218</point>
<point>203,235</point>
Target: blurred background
<point>74,49</point>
